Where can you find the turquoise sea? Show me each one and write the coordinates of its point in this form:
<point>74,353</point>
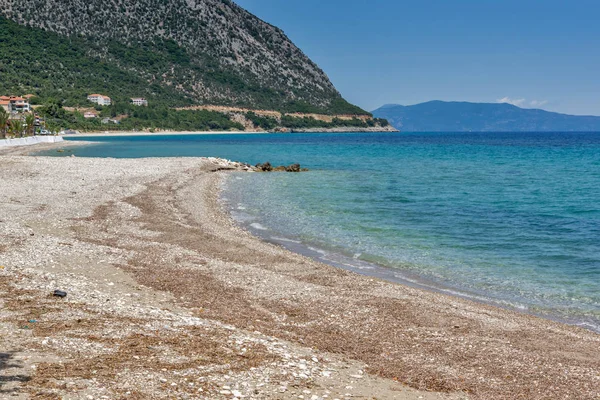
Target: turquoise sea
<point>511,219</point>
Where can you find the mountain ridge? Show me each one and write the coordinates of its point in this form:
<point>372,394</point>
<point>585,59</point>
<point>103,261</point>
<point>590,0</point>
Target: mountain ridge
<point>217,52</point>
<point>460,116</point>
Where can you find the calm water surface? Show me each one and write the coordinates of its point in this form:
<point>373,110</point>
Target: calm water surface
<point>508,218</point>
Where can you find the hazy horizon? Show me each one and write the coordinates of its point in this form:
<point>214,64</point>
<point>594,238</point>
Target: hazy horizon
<point>528,53</point>
<point>476,102</point>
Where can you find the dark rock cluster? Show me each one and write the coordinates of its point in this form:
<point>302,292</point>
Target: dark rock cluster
<point>267,167</point>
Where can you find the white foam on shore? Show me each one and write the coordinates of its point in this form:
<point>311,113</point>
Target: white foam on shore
<point>258,226</point>
<point>281,239</point>
<point>589,325</point>
<point>323,252</point>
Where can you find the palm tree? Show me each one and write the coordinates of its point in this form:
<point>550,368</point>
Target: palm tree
<point>3,121</point>
<point>30,124</point>
<point>16,127</point>
<point>51,127</point>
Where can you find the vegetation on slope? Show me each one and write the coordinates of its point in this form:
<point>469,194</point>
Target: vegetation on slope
<point>55,67</point>
<point>292,122</point>
<point>174,53</point>
<point>137,118</point>
<point>157,117</point>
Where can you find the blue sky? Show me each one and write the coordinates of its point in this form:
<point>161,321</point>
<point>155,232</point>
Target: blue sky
<point>542,54</point>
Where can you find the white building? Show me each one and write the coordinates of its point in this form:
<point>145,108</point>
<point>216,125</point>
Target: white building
<point>99,99</point>
<point>19,104</point>
<point>14,104</point>
<point>139,101</point>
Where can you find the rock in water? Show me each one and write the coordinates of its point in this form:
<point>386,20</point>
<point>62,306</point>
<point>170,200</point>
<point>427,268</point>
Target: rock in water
<point>293,168</point>
<point>266,167</point>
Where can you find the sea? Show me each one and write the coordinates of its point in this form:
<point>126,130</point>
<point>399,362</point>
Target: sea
<point>510,219</point>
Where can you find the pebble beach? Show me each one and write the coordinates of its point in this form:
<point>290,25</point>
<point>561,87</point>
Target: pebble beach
<point>168,298</point>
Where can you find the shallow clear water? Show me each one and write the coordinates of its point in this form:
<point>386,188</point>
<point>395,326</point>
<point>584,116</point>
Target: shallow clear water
<point>512,219</point>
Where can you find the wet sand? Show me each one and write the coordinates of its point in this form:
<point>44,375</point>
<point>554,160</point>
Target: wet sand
<point>169,298</point>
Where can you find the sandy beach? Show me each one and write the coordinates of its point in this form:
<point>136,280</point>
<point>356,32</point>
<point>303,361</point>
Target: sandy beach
<point>258,132</point>
<point>143,133</point>
<point>168,298</point>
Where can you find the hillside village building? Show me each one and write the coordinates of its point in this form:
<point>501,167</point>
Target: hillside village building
<point>139,101</point>
<point>14,104</point>
<point>19,104</point>
<point>90,114</point>
<point>100,99</point>
<point>6,105</point>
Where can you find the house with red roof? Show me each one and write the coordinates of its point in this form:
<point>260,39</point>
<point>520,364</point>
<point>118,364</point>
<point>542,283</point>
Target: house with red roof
<point>14,104</point>
<point>19,104</point>
<point>6,105</point>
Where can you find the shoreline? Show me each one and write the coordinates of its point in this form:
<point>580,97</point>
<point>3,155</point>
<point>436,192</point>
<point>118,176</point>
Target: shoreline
<point>155,228</point>
<point>344,260</point>
<point>370,270</point>
<point>400,277</point>
<point>142,133</point>
<point>26,150</point>
<point>169,133</point>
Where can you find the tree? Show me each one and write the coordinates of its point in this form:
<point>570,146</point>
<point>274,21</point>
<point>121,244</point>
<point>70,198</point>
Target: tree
<point>52,127</point>
<point>30,124</point>
<point>16,127</point>
<point>3,121</point>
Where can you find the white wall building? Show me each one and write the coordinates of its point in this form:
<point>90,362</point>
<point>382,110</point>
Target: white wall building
<point>14,104</point>
<point>19,104</point>
<point>139,101</point>
<point>99,99</point>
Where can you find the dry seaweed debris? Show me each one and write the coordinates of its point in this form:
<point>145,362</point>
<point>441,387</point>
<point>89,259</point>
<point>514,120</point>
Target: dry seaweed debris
<point>130,355</point>
<point>425,346</point>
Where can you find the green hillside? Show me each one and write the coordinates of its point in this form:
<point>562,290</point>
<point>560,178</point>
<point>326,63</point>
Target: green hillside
<point>54,66</point>
<point>67,69</point>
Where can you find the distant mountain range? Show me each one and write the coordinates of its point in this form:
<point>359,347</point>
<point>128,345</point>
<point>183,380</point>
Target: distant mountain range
<point>441,116</point>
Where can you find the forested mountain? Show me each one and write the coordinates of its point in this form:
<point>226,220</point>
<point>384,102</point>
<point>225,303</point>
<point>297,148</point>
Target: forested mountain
<point>180,52</point>
<point>440,116</point>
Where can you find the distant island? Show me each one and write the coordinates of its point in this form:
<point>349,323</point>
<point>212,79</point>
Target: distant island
<point>441,116</point>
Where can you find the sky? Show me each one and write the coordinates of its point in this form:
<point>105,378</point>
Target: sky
<point>534,54</point>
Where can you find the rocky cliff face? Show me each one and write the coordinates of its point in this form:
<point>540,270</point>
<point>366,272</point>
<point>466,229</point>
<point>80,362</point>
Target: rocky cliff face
<point>227,55</point>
